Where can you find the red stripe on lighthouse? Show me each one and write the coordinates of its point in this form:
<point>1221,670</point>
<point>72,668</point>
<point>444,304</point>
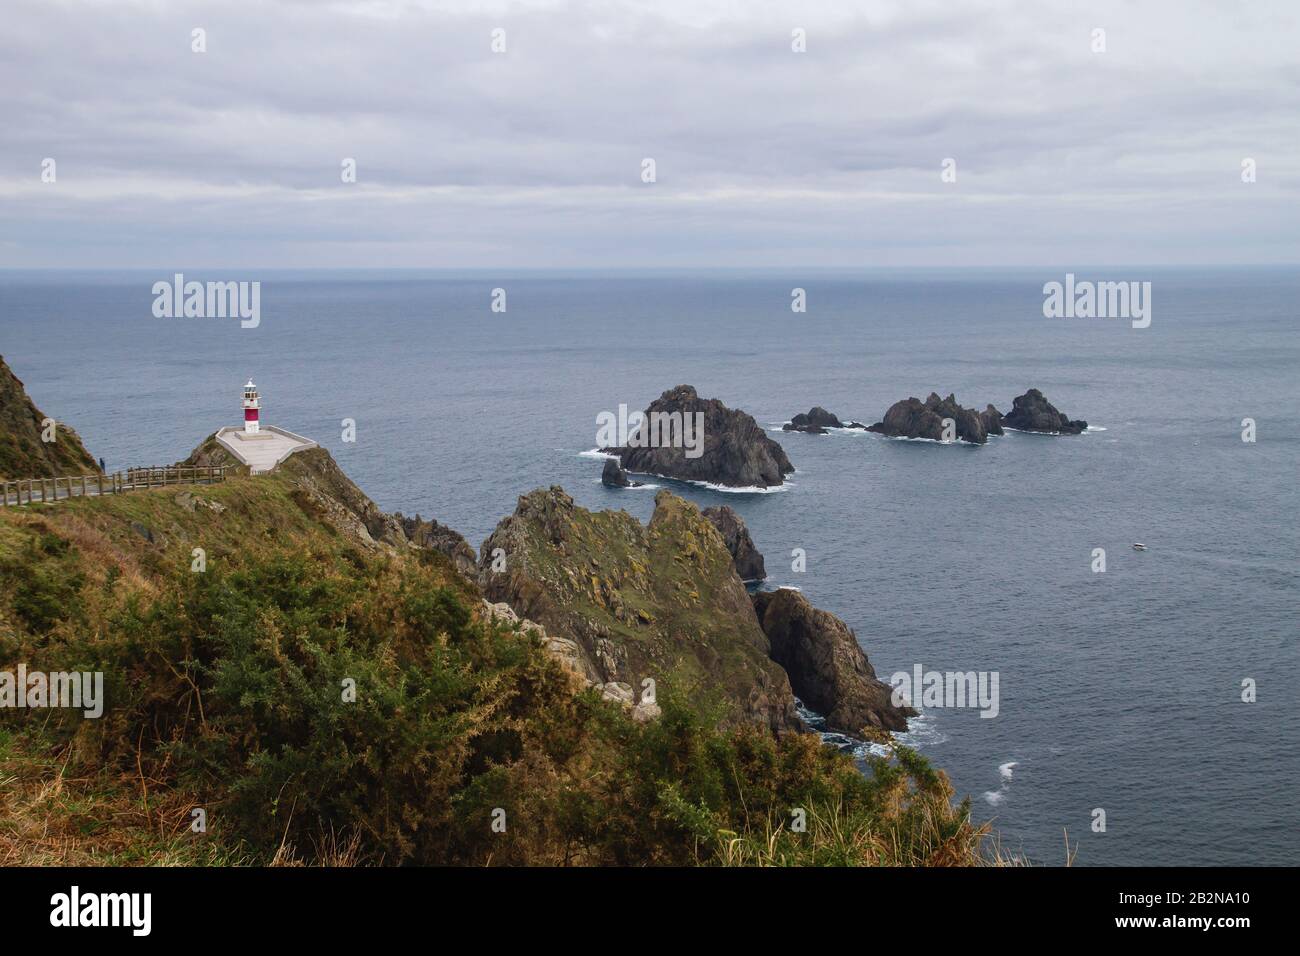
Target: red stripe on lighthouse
<point>250,414</point>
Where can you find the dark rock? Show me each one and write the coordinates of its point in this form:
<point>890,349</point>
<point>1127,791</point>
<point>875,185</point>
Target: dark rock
<point>146,532</point>
<point>749,563</point>
<point>1031,412</point>
<point>438,537</point>
<point>913,418</point>
<point>992,419</point>
<point>828,669</point>
<point>815,422</point>
<point>735,452</point>
<point>615,477</point>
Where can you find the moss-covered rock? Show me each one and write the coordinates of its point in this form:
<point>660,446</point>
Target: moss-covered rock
<point>661,602</point>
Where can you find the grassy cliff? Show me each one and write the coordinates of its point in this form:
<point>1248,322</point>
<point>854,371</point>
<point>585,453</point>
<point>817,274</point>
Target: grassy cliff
<point>23,451</point>
<point>226,692</point>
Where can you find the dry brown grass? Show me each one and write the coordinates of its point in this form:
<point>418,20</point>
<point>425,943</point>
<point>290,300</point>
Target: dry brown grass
<point>49,817</point>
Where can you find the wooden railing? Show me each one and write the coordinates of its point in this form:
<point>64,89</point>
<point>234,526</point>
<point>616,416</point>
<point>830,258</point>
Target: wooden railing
<point>29,490</point>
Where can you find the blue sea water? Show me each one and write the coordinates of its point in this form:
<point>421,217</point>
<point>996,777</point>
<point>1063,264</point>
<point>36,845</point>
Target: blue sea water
<point>1119,690</point>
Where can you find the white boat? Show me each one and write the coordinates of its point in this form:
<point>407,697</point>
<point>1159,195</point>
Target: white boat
<point>1139,546</point>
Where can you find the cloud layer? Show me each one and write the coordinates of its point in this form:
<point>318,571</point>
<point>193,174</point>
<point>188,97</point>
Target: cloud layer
<point>532,157</point>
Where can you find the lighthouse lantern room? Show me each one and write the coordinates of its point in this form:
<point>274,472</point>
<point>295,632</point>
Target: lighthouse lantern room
<point>252,408</point>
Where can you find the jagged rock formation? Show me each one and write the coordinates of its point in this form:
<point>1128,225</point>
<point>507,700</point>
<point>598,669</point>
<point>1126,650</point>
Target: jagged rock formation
<point>736,451</point>
<point>438,537</point>
<point>746,557</point>
<point>23,453</point>
<point>912,418</point>
<point>1032,412</point>
<point>660,601</point>
<point>992,420</point>
<point>828,669</point>
<point>612,476</point>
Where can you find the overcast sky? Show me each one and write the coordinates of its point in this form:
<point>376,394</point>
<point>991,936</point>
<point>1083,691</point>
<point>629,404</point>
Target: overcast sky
<point>765,157</point>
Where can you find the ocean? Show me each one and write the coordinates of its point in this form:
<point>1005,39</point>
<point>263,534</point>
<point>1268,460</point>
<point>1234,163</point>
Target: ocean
<point>1119,691</point>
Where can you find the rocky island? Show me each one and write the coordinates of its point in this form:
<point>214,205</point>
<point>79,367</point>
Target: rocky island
<point>912,418</point>
<point>1032,412</point>
<point>816,421</point>
<point>735,451</point>
<point>613,476</point>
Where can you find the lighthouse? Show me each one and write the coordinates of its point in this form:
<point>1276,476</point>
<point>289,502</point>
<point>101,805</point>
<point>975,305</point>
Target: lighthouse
<point>261,449</point>
<point>252,408</point>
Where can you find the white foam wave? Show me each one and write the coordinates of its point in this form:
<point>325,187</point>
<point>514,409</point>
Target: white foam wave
<point>921,732</point>
<point>644,486</point>
<point>596,453</point>
<point>1005,771</point>
<point>932,441</point>
<point>727,489</point>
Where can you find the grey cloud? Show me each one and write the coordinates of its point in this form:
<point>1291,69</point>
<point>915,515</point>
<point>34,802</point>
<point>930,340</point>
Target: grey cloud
<point>764,157</point>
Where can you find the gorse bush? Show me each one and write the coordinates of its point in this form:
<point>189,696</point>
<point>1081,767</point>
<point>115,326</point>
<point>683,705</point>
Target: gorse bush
<point>309,695</point>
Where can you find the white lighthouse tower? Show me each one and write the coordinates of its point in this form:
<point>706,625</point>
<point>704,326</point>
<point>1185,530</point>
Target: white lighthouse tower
<point>252,408</point>
<point>261,449</point>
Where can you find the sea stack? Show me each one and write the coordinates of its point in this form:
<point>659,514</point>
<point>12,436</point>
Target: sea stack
<point>612,476</point>
<point>912,418</point>
<point>816,421</point>
<point>1032,412</point>
<point>726,446</point>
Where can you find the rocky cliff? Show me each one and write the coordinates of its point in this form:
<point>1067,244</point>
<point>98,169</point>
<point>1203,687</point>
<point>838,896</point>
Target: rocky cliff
<point>736,452</point>
<point>23,452</point>
<point>661,601</point>
<point>748,560</point>
<point>438,537</point>
<point>828,669</point>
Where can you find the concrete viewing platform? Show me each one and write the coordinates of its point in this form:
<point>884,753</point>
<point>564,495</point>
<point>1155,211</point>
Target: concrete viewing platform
<point>264,449</point>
